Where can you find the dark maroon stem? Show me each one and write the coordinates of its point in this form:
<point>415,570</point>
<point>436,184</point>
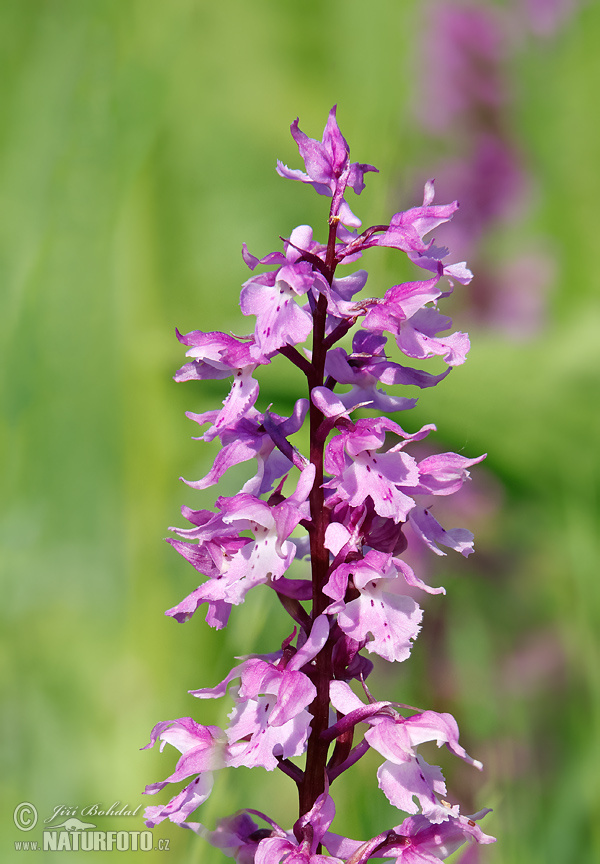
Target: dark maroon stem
<point>291,770</point>
<point>296,358</point>
<point>334,771</point>
<point>313,784</point>
<point>338,333</point>
<point>295,609</point>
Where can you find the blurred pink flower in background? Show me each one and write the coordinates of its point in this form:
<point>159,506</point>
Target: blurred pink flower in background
<point>545,17</point>
<point>467,105</point>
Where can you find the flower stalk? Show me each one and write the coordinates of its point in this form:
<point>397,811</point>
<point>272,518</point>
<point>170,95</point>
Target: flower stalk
<point>355,495</point>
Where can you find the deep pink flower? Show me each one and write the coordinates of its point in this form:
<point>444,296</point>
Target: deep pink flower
<point>386,619</point>
<point>404,775</point>
<point>235,564</point>
<point>204,750</point>
<point>246,439</point>
<point>270,717</point>
<point>181,805</point>
<point>367,366</point>
<point>217,355</point>
<point>279,319</point>
<point>328,167</point>
<point>421,842</point>
<point>359,470</point>
<point>429,530</point>
<point>399,304</point>
<point>313,829</point>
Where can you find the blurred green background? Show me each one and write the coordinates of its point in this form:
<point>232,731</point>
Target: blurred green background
<point>137,150</point>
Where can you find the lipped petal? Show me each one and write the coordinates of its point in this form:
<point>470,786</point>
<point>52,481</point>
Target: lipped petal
<point>404,782</point>
<point>425,841</point>
<point>418,338</point>
<point>184,803</point>
<point>280,320</point>
<point>444,473</point>
<point>254,742</point>
<point>378,476</point>
<point>391,621</point>
<point>429,530</point>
